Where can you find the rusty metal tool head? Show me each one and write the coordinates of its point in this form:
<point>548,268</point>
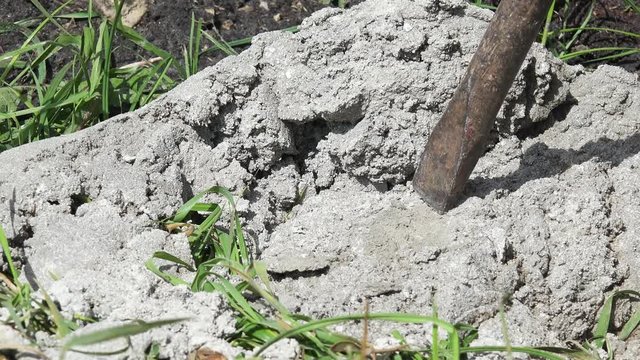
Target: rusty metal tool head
<point>460,137</point>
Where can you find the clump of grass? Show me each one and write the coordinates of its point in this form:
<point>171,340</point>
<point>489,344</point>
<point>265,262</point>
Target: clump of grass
<point>562,41</point>
<point>38,102</point>
<point>561,37</point>
<point>222,263</point>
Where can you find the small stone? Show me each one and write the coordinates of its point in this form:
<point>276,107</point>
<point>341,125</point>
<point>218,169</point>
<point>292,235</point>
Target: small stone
<point>129,159</point>
<point>205,353</point>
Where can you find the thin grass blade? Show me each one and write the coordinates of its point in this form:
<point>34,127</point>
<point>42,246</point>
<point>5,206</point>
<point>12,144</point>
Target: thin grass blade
<point>63,327</point>
<point>126,330</point>
<point>630,326</point>
<point>173,280</point>
<point>579,53</point>
<point>547,23</point>
<point>7,253</point>
<point>163,255</point>
<point>545,354</point>
<point>581,28</point>
<point>606,315</point>
<point>51,17</point>
<point>167,64</point>
<point>401,318</point>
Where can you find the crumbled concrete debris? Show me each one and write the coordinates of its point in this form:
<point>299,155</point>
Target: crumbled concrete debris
<point>11,338</point>
<point>321,131</point>
<point>628,350</point>
<point>287,349</point>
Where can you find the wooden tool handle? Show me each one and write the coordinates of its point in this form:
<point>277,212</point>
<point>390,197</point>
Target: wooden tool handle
<point>460,137</point>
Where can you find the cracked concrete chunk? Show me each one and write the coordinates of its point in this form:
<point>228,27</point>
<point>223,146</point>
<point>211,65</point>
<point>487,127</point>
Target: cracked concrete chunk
<point>320,132</point>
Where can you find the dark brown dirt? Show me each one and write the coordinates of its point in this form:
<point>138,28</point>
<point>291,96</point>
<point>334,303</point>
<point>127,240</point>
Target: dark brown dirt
<point>614,14</point>
<point>167,23</point>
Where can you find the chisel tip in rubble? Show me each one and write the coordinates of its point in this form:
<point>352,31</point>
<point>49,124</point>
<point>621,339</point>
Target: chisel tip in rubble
<point>460,137</point>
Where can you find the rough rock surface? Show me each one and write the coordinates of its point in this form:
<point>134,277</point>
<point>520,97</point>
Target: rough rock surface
<point>321,131</point>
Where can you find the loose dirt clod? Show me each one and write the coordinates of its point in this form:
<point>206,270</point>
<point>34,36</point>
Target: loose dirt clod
<point>132,10</point>
<point>339,112</point>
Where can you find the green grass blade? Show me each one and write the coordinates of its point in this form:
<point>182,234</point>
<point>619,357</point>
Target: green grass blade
<point>581,28</point>
<point>244,41</point>
<point>613,56</point>
<point>163,255</point>
<point>63,327</point>
<point>87,43</point>
<point>236,228</point>
<point>38,86</point>
<point>237,300</point>
<point>9,99</point>
<point>54,84</point>
<point>7,254</point>
<point>25,43</point>
<point>205,207</point>
<point>191,55</point>
<point>20,51</point>
<point>157,83</point>
<point>547,23</point>
<point>482,5</point>
<point>205,228</point>
<point>545,354</point>
<point>220,44</point>
<point>173,280</point>
<point>401,318</point>
<point>49,16</point>
<point>82,15</point>
<point>183,211</point>
<point>435,337</point>
<point>227,244</point>
<point>579,53</point>
<point>106,68</point>
<point>126,330</point>
<point>140,87</point>
<point>632,5</point>
<point>606,315</point>
<point>36,109</point>
<point>97,67</point>
<point>269,297</point>
<point>595,28</point>
<point>196,47</point>
<point>261,271</point>
<point>469,333</point>
<point>91,14</point>
<point>630,326</point>
<point>244,256</point>
<point>140,41</point>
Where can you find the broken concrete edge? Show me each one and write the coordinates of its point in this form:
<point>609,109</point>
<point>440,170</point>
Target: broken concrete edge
<point>339,108</point>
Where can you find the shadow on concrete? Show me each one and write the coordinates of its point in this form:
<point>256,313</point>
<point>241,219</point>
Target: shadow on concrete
<point>540,161</point>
